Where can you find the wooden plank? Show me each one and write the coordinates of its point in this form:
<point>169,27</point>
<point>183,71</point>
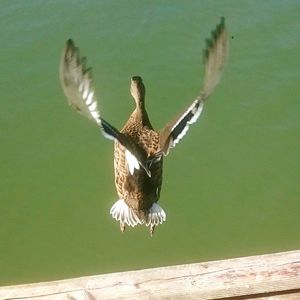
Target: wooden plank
<point>272,276</point>
<point>292,296</point>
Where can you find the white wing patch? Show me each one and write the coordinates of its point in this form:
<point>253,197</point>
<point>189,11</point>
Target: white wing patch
<point>131,161</point>
<point>195,111</point>
<point>89,98</point>
<point>92,105</point>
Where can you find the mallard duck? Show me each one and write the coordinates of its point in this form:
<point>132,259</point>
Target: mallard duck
<point>139,149</point>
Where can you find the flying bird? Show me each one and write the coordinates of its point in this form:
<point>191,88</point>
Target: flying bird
<point>138,148</point>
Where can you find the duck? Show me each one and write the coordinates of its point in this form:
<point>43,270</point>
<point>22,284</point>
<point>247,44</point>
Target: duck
<point>139,149</point>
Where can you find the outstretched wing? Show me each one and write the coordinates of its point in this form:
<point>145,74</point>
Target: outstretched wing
<point>76,81</point>
<point>215,56</point>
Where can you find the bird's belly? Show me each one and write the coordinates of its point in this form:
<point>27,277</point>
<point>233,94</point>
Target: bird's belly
<point>138,190</point>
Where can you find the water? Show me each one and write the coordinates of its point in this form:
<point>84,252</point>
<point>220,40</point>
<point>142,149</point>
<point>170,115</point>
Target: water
<point>231,187</point>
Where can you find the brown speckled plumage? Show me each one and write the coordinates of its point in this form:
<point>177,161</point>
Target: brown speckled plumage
<point>139,190</point>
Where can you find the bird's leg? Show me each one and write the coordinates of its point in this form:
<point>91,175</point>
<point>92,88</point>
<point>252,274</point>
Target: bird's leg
<point>152,230</point>
<point>122,226</point>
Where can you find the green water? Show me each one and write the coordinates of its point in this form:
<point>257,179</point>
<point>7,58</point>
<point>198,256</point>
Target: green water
<point>231,187</point>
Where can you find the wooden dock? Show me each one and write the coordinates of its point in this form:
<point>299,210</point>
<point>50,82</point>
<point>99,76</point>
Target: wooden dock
<point>272,276</point>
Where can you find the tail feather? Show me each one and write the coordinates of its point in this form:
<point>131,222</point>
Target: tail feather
<point>121,212</point>
<point>156,215</point>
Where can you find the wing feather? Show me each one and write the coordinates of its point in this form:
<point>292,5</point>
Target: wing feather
<point>76,81</point>
<point>215,56</point>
